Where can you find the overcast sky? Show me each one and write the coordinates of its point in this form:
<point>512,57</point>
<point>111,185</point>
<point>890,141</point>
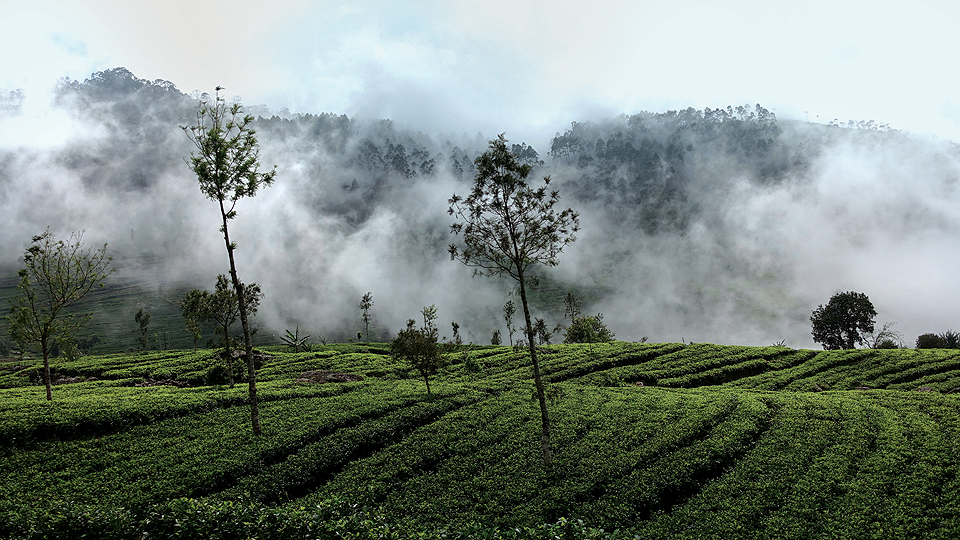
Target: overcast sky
<point>527,68</point>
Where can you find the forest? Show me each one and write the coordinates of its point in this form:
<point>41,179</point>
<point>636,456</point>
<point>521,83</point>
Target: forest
<point>726,225</point>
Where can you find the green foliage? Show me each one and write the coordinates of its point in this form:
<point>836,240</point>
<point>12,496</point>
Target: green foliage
<point>507,227</point>
<point>221,307</point>
<point>470,362</point>
<point>294,340</point>
<point>231,520</point>
<point>495,339</point>
<point>142,318</point>
<point>847,320</point>
<point>886,338</point>
<point>227,165</point>
<point>509,310</point>
<point>542,332</point>
<point>56,275</point>
<point>194,308</point>
<point>930,341</point>
<point>587,330</point>
<point>365,304</point>
<point>951,339</point>
<point>227,156</point>
<point>723,441</point>
<point>456,340</point>
<point>886,344</point>
<point>418,347</point>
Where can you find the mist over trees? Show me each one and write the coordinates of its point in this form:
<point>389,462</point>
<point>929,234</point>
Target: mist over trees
<point>721,224</point>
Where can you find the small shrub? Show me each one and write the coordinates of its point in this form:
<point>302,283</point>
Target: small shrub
<point>930,341</point>
<point>470,363</point>
<point>610,380</point>
<point>951,339</point>
<point>588,330</point>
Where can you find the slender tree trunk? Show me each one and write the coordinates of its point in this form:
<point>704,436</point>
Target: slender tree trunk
<point>251,369</point>
<point>46,369</point>
<point>426,379</point>
<point>229,356</point>
<point>541,397</point>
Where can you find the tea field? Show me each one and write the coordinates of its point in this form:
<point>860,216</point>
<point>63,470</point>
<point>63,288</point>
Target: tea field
<point>650,441</point>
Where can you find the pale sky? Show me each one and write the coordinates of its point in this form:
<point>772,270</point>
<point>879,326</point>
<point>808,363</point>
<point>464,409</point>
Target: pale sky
<point>528,68</point>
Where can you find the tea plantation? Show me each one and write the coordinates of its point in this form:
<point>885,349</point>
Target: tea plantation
<point>650,441</point>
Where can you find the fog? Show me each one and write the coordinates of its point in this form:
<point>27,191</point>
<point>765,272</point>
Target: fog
<point>729,253</point>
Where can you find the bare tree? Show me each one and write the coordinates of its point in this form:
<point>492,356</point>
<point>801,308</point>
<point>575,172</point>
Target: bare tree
<point>507,227</point>
<point>227,165</point>
<point>57,274</point>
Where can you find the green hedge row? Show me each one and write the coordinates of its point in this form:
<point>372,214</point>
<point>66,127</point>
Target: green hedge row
<point>191,519</point>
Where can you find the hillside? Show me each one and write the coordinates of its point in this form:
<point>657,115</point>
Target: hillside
<point>663,440</point>
<point>724,224</point>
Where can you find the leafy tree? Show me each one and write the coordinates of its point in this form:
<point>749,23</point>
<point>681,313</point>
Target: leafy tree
<point>195,309</point>
<point>509,310</point>
<point>365,304</point>
<point>846,320</point>
<point>457,340</point>
<point>227,165</point>
<point>495,339</point>
<point>587,330</point>
<point>930,341</point>
<point>946,340</point>
<point>430,319</point>
<point>194,326</point>
<point>419,347</point>
<point>56,275</point>
<point>221,308</point>
<point>142,318</point>
<point>542,332</point>
<point>507,227</point>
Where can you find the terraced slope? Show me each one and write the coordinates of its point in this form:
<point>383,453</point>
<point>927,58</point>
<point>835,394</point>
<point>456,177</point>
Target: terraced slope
<point>655,440</point>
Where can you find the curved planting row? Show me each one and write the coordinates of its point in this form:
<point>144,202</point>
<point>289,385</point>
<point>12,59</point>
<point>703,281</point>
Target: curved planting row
<point>481,463</point>
<point>313,465</point>
<point>570,363</point>
<point>766,368</point>
<point>865,369</point>
<point>187,455</point>
<point>695,365</point>
<point>89,410</point>
<point>834,465</point>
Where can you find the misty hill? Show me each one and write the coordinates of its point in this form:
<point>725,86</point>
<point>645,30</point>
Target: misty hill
<point>664,440</point>
<point>725,225</point>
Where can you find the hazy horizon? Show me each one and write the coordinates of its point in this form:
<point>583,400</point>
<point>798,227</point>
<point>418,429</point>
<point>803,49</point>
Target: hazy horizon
<point>865,210</point>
